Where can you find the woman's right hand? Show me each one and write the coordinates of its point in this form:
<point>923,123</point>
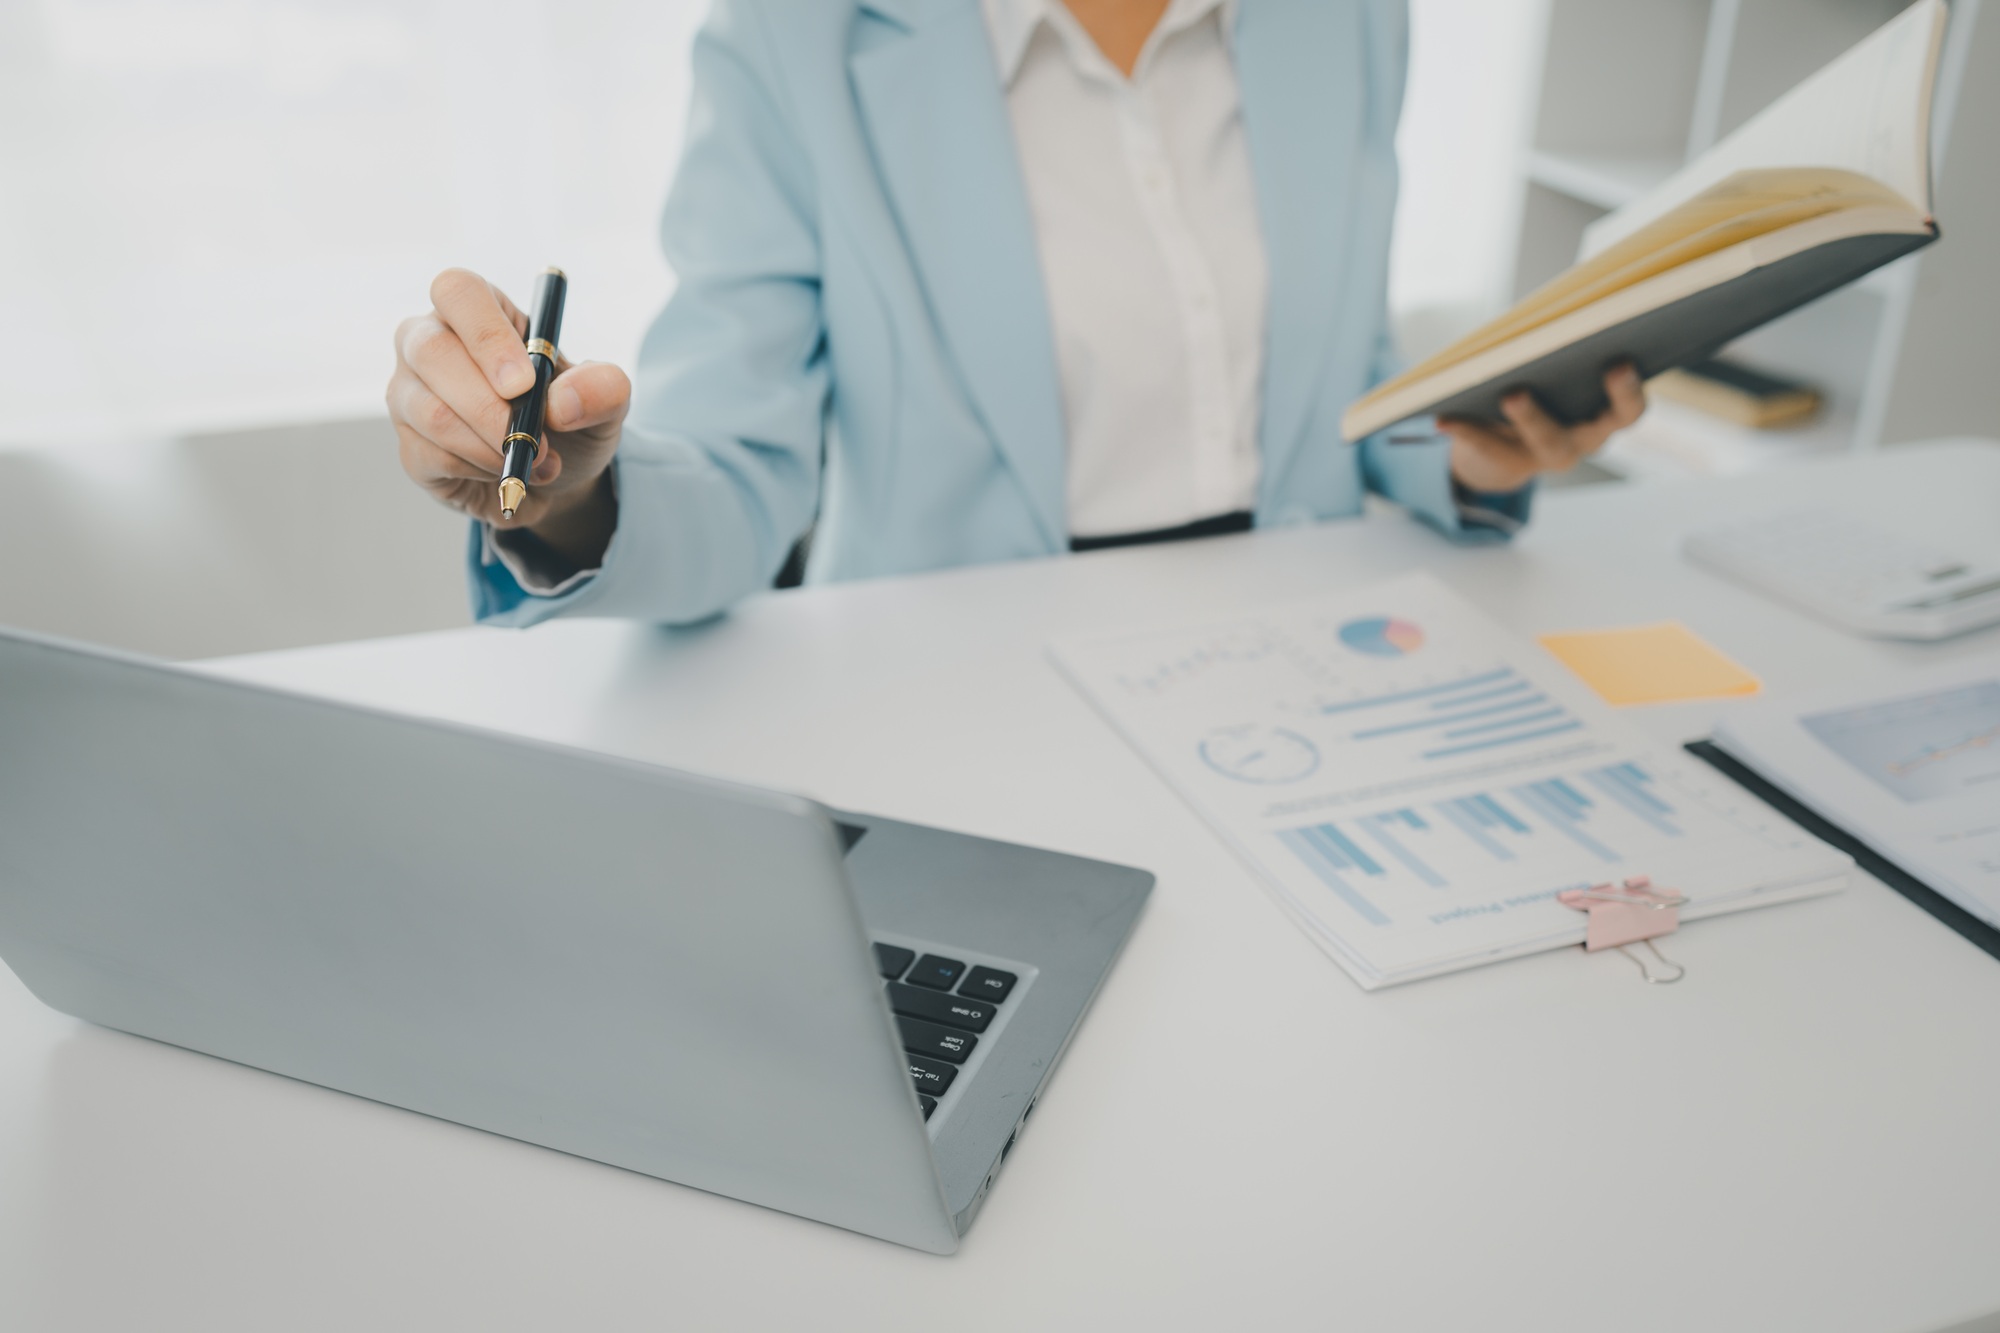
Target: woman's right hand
<point>456,368</point>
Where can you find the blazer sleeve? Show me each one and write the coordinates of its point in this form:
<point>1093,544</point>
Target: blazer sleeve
<point>1410,463</point>
<point>718,471</point>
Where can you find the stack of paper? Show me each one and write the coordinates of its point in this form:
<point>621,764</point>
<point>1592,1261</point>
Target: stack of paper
<point>1912,769</point>
<point>1416,787</point>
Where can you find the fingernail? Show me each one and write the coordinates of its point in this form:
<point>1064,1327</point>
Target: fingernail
<point>565,405</point>
<point>516,379</point>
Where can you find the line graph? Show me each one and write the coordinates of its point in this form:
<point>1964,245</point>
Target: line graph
<point>1924,747</point>
<point>1932,754</point>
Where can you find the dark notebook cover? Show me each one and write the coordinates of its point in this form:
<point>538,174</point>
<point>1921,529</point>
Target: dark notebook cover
<point>1881,867</point>
<point>1570,381</point>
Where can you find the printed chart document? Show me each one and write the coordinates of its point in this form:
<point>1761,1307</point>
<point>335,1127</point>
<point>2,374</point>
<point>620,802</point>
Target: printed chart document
<point>1913,771</point>
<point>1416,787</point>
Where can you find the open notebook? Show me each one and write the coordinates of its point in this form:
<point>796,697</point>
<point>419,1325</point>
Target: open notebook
<point>1828,183</point>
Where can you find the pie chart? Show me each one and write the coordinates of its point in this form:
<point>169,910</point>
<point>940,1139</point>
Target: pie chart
<point>1382,636</point>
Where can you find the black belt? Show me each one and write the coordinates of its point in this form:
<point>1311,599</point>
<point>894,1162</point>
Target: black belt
<point>1219,526</point>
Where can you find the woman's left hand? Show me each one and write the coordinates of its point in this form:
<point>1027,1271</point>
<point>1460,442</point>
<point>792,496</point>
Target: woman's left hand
<point>1499,458</point>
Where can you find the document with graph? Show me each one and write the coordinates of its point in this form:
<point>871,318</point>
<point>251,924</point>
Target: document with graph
<point>1416,786</point>
<point>1910,768</point>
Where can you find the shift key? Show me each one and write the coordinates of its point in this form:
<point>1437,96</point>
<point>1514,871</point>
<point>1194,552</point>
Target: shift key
<point>954,1011</point>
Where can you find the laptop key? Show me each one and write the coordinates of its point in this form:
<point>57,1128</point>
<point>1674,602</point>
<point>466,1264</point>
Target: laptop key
<point>988,983</point>
<point>893,960</point>
<point>921,1038</point>
<point>929,1104</point>
<point>935,972</point>
<point>931,1076</point>
<point>954,1011</point>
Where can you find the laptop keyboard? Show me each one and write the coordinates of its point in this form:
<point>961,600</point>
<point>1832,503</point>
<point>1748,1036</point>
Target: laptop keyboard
<point>941,1007</point>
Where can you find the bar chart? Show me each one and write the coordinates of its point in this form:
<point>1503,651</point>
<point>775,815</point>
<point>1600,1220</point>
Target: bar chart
<point>1544,835</point>
<point>1479,711</point>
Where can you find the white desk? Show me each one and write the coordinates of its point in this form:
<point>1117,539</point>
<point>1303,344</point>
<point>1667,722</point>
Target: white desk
<point>1803,1135</point>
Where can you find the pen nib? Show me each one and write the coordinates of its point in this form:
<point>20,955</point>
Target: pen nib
<point>512,492</point>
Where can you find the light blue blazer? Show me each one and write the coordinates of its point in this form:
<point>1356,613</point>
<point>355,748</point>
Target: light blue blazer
<point>860,332</point>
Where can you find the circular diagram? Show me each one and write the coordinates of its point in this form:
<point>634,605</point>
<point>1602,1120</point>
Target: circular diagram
<point>1264,755</point>
<point>1382,636</point>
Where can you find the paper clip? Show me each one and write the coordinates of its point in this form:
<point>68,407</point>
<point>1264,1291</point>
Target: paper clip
<point>1630,913</point>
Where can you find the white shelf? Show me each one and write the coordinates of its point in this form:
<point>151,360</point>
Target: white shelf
<point>1896,358</point>
<point>1603,180</point>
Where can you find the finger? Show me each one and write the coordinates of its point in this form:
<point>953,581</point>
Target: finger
<point>430,465</point>
<point>1547,441</point>
<point>485,321</point>
<point>412,404</point>
<point>439,358</point>
<point>1628,397</point>
<point>1628,402</point>
<point>590,394</point>
<point>548,466</point>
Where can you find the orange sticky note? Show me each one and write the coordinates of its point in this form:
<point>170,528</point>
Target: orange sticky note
<point>1650,664</point>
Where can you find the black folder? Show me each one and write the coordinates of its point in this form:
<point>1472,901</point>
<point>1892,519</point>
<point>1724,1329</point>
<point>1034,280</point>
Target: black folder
<point>1881,867</point>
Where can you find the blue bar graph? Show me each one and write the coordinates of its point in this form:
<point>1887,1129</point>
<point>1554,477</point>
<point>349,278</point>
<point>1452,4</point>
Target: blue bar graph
<point>1546,715</point>
<point>1328,867</point>
<point>1561,805</point>
<point>1483,695</point>
<point>1483,678</point>
<point>1513,738</point>
<point>1473,821</point>
<point>1342,849</point>
<point>1500,812</point>
<point>1627,784</point>
<point>1449,718</point>
<point>1390,863</point>
<point>1378,827</point>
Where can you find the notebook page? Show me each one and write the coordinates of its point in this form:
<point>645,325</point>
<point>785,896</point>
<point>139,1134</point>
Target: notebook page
<point>1868,111</point>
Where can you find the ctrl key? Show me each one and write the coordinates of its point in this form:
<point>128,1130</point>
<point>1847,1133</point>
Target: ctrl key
<point>989,983</point>
<point>932,1077</point>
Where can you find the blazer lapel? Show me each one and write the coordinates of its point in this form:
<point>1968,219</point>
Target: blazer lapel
<point>930,96</point>
<point>1302,68</point>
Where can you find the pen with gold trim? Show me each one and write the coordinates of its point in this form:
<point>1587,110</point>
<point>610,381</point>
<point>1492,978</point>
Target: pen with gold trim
<point>524,427</point>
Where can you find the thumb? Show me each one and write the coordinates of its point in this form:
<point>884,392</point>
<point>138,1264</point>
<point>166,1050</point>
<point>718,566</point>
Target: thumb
<point>593,393</point>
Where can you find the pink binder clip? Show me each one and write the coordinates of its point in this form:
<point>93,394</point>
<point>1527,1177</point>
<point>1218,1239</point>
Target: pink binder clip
<point>1630,913</point>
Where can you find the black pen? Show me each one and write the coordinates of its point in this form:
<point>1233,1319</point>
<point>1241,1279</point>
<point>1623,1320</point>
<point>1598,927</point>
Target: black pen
<point>524,430</point>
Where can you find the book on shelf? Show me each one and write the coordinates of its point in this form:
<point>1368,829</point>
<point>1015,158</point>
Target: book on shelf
<point>1828,183</point>
<point>1737,393</point>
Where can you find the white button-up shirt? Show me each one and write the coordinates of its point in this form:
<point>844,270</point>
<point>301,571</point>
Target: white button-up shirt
<point>1145,216</point>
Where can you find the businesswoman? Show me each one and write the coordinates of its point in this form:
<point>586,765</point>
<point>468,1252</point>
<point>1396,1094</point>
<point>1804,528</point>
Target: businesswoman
<point>968,280</point>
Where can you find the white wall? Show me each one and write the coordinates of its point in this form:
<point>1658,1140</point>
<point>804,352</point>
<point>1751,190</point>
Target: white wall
<point>226,205</point>
<point>1474,67</point>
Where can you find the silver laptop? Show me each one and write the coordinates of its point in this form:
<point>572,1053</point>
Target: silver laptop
<point>843,1017</point>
